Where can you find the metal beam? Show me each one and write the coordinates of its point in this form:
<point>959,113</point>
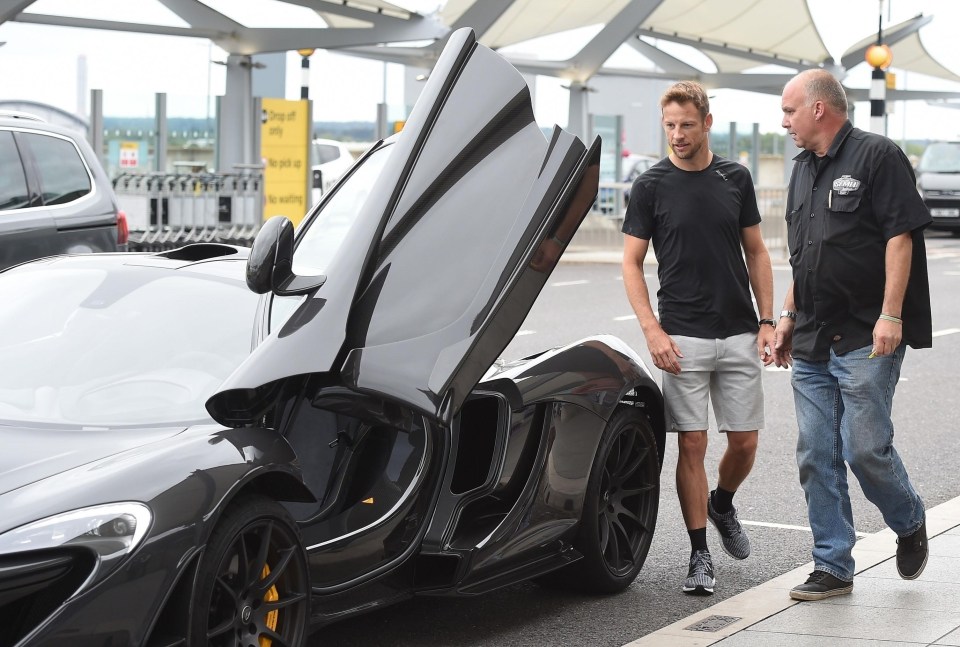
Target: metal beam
<point>856,56</point>
<point>10,8</point>
<point>725,48</point>
<point>112,25</point>
<point>270,39</point>
<point>595,53</point>
<point>666,62</point>
<point>371,15</point>
<point>198,15</point>
<point>862,94</point>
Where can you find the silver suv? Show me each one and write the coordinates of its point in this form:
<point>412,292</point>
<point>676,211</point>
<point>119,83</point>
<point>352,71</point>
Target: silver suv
<point>938,180</point>
<point>55,197</point>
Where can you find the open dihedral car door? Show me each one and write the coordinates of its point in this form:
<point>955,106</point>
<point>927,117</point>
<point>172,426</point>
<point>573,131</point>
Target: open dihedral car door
<point>477,206</point>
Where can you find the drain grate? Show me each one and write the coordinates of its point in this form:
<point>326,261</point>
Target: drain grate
<point>712,623</point>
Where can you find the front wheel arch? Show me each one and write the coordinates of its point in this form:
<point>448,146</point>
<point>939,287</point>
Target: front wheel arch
<point>619,510</point>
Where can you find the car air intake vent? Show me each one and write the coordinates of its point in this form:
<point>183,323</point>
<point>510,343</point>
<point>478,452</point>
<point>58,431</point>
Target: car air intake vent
<point>34,585</point>
<point>199,252</point>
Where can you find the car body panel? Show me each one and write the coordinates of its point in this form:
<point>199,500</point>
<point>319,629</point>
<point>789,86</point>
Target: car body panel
<point>441,476</point>
<point>376,308</point>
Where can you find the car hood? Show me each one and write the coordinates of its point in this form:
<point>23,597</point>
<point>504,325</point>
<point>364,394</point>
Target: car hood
<point>940,181</point>
<point>462,228</point>
<point>33,454</point>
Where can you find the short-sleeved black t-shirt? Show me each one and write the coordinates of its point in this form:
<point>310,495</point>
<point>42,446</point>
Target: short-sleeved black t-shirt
<point>841,211</point>
<point>694,219</point>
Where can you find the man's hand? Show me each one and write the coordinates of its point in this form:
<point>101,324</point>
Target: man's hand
<point>887,336</point>
<point>766,339</point>
<point>783,344</point>
<point>663,350</point>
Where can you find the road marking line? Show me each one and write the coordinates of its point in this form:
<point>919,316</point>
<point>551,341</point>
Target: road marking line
<point>521,333</point>
<point>951,273</point>
<point>946,331</point>
<point>625,318</point>
<point>561,284</point>
<point>784,526</point>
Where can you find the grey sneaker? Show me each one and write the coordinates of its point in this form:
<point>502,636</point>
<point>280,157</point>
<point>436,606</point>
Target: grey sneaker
<point>734,540</point>
<point>700,580</point>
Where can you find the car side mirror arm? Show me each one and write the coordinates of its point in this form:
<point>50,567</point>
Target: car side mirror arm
<point>270,264</point>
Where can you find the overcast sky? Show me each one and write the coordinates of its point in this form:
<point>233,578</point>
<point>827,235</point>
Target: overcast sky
<point>41,62</point>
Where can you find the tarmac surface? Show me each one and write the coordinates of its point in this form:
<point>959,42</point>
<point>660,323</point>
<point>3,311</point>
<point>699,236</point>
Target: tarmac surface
<point>882,611</point>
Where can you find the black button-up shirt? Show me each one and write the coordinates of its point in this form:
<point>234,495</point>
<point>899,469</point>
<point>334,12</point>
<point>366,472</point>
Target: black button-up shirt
<point>842,209</point>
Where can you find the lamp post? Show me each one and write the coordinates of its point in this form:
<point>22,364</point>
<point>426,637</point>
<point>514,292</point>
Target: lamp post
<point>305,55</point>
<point>879,57</point>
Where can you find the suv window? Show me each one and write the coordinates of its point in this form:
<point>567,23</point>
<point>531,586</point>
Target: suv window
<point>941,157</point>
<point>63,174</point>
<point>13,184</point>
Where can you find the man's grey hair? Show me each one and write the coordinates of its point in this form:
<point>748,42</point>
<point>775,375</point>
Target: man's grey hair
<point>820,85</point>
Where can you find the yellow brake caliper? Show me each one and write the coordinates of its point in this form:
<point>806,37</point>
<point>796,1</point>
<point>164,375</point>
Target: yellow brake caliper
<point>271,596</point>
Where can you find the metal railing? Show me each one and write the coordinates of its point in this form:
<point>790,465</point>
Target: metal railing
<point>168,210</point>
<point>601,228</point>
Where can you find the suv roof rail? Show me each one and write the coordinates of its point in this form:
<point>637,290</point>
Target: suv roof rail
<point>16,114</point>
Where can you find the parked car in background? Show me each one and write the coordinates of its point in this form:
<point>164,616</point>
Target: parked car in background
<point>330,160</point>
<point>55,197</point>
<point>938,180</point>
<point>633,166</point>
<point>252,467</point>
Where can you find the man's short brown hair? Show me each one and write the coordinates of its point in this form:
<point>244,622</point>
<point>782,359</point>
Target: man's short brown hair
<point>687,92</point>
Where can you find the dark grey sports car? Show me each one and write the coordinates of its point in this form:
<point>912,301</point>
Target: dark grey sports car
<point>191,461</point>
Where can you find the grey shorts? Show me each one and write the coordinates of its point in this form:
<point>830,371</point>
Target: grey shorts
<point>724,371</point>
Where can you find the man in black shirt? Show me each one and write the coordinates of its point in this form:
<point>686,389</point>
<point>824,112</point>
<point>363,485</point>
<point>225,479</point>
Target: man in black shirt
<point>859,296</point>
<point>700,211</point>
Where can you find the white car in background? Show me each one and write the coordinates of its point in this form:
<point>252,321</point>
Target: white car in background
<point>329,161</point>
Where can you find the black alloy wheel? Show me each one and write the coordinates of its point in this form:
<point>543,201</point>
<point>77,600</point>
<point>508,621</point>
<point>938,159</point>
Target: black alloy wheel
<point>252,586</point>
<point>619,510</point>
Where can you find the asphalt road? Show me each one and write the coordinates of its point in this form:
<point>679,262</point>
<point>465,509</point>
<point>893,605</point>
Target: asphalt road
<point>585,299</point>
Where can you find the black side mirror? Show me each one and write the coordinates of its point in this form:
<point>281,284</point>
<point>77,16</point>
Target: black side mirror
<point>270,264</point>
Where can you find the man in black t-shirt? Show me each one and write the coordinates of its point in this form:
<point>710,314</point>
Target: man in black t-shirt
<point>700,211</point>
<point>859,296</point>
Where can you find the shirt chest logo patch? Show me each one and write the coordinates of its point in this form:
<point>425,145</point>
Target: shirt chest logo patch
<point>845,184</point>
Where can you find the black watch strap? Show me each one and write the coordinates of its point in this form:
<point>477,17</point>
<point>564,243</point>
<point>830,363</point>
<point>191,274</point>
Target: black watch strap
<point>769,322</point>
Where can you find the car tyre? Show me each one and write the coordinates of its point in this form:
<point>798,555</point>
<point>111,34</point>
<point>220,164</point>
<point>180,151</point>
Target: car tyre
<point>620,508</point>
<point>252,586</point>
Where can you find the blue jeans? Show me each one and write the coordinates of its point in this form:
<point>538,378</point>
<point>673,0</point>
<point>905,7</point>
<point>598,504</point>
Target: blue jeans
<point>843,411</point>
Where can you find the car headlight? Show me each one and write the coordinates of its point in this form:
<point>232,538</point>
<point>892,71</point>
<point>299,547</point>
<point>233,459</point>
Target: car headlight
<point>110,531</point>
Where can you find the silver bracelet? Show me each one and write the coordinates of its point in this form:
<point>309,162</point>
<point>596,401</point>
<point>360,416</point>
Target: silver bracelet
<point>886,317</point>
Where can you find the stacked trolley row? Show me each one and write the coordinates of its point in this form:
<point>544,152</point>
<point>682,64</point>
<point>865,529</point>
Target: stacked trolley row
<point>168,210</point>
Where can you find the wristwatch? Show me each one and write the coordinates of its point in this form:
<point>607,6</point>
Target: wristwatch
<point>789,314</point>
<point>769,322</point>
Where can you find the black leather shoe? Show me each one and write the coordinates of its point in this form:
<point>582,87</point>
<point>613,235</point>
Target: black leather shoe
<point>912,552</point>
<point>820,585</point>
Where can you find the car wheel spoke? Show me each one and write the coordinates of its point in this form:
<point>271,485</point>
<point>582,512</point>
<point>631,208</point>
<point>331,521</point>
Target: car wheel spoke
<point>224,627</point>
<point>276,572</point>
<point>264,533</point>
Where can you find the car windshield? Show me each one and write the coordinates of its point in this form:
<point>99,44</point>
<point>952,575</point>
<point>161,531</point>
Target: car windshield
<point>329,227</point>
<point>941,157</point>
<point>132,346</point>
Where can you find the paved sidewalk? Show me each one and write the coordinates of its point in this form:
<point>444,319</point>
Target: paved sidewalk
<point>882,611</point>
